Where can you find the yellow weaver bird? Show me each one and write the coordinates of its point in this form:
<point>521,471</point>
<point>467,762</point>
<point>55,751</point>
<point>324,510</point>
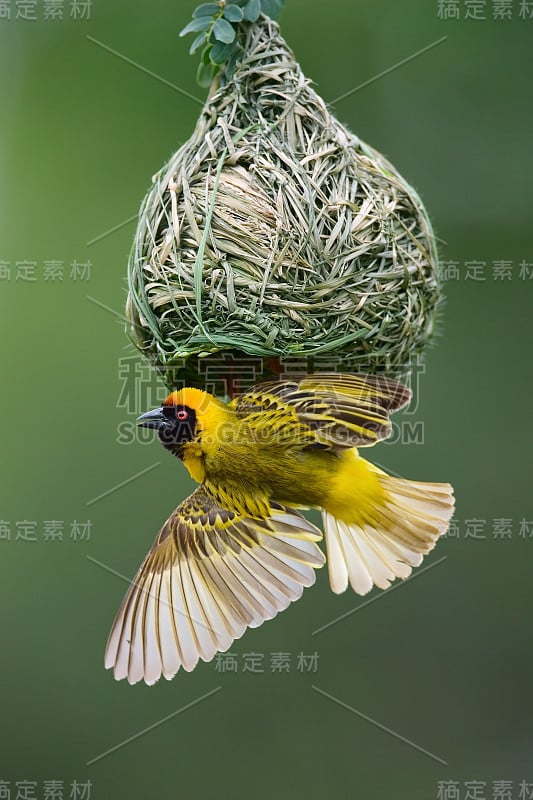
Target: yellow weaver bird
<point>237,550</point>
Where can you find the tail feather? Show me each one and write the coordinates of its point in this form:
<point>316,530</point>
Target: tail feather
<point>403,529</point>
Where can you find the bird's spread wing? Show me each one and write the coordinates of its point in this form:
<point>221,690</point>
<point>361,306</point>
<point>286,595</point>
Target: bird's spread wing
<point>209,575</point>
<point>332,409</point>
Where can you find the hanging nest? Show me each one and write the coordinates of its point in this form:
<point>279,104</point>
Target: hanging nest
<point>275,234</point>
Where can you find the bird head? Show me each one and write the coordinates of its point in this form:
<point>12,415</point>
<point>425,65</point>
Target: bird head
<point>178,420</point>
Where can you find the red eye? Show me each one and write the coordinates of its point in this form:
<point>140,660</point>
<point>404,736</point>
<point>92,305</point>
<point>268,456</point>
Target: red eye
<point>182,414</point>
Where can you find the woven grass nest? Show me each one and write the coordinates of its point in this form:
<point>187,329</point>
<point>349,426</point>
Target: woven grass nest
<point>275,232</point>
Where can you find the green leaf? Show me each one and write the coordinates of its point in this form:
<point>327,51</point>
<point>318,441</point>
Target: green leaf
<point>205,74</point>
<point>232,63</point>
<point>223,31</point>
<point>206,10</point>
<point>252,10</point>
<point>198,42</point>
<point>233,13</point>
<point>272,7</point>
<point>221,52</point>
<point>200,24</point>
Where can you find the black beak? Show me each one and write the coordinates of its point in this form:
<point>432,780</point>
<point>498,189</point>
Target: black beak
<point>152,419</point>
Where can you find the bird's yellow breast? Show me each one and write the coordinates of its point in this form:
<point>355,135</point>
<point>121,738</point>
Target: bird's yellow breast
<point>261,469</point>
<point>245,470</point>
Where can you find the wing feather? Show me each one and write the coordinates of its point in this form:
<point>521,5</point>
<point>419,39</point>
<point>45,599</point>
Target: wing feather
<point>210,574</point>
<point>328,409</point>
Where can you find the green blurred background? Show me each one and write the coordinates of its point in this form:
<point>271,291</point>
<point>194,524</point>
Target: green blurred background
<point>445,660</point>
